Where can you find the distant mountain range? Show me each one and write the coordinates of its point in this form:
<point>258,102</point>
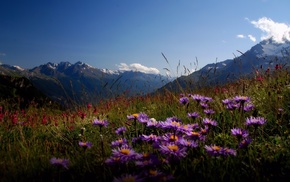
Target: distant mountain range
<point>264,55</point>
<point>81,83</point>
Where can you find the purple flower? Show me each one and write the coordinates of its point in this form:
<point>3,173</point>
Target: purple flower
<point>170,123</point>
<point>149,138</point>
<point>214,150</point>
<point>100,123</point>
<point>209,122</point>
<point>194,125</point>
<point>174,118</point>
<point>255,121</point>
<point>204,130</point>
<point>119,143</point>
<point>244,143</point>
<point>173,150</point>
<point>133,116</point>
<point>209,111</point>
<point>204,105</point>
<point>170,137</point>
<point>233,106</point>
<point>113,160</point>
<point>238,132</point>
<point>144,163</point>
<point>142,118</point>
<point>193,115</point>
<point>207,99</point>
<point>125,153</point>
<point>229,151</point>
<point>227,101</point>
<point>241,99</point>
<point>121,130</point>
<point>184,100</point>
<point>185,128</point>
<point>152,123</point>
<point>188,143</point>
<point>85,144</point>
<point>195,136</point>
<point>59,162</point>
<point>147,159</point>
<point>249,107</point>
<point>153,174</point>
<point>137,139</point>
<point>197,97</point>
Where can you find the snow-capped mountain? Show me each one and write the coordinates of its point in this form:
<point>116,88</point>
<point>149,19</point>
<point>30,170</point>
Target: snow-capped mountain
<point>81,83</point>
<point>264,55</point>
<point>269,47</point>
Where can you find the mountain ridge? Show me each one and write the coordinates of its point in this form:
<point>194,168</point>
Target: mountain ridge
<point>261,57</point>
<point>81,83</point>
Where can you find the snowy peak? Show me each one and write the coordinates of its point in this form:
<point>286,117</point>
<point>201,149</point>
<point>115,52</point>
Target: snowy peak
<point>112,72</point>
<point>270,47</point>
<point>83,65</point>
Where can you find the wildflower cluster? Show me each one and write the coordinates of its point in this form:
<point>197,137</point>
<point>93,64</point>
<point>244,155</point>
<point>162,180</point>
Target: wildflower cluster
<point>173,140</point>
<point>239,102</point>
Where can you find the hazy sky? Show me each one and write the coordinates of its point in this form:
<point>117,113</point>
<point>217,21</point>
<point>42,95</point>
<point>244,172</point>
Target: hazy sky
<point>131,34</point>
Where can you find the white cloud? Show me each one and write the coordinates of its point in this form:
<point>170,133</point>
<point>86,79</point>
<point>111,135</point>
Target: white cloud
<point>252,38</point>
<point>241,36</point>
<point>137,67</point>
<point>280,32</point>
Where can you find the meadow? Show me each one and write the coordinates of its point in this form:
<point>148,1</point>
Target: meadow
<point>233,132</point>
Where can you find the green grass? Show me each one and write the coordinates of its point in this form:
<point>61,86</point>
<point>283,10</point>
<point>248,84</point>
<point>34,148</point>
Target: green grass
<point>30,138</point>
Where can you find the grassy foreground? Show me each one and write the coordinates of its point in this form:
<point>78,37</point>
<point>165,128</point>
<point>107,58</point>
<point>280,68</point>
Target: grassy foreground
<point>234,132</point>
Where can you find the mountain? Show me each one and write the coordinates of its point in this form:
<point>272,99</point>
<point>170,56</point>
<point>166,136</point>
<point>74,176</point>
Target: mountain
<point>81,83</point>
<point>264,55</point>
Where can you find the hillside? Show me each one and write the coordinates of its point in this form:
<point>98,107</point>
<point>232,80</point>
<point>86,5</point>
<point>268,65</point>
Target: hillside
<point>20,92</point>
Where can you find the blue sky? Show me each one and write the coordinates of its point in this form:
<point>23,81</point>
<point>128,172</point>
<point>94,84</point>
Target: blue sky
<point>131,34</point>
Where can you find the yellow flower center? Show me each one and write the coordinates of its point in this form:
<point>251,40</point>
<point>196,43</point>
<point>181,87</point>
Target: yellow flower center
<point>116,158</point>
<point>120,140</point>
<point>203,131</point>
<point>173,147</point>
<point>145,155</point>
<point>174,123</point>
<point>195,133</point>
<point>153,172</point>
<point>128,179</point>
<point>59,160</point>
<point>173,137</point>
<point>243,97</point>
<point>125,151</point>
<point>135,115</point>
<point>216,148</point>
